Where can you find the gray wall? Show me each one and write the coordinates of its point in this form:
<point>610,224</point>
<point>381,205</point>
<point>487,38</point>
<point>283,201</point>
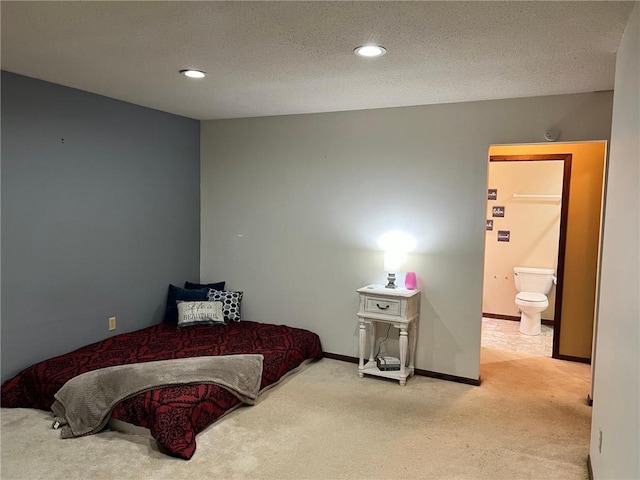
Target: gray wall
<point>616,387</point>
<point>292,207</point>
<point>92,227</point>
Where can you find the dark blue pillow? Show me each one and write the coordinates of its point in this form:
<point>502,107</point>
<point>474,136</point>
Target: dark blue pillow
<point>200,286</point>
<point>177,293</point>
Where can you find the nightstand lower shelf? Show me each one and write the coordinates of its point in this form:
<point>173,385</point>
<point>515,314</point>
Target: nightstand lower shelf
<point>371,368</point>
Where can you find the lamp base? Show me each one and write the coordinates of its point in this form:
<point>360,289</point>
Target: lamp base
<point>391,278</point>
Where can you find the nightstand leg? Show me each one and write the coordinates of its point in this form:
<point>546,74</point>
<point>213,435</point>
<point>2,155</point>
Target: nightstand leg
<point>363,338</point>
<point>403,354</point>
<point>414,339</point>
<point>373,341</point>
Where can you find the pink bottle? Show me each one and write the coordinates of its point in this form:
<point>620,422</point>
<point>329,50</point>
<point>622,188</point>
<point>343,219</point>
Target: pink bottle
<point>410,281</point>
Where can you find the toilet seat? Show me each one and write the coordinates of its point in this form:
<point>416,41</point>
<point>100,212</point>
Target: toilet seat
<point>531,301</point>
<point>531,297</point>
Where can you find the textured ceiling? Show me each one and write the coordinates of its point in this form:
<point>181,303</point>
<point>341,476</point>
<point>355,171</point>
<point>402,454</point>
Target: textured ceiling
<point>273,58</point>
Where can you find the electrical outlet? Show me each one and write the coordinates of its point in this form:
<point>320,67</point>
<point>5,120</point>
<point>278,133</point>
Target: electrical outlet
<point>112,323</point>
<point>600,442</point>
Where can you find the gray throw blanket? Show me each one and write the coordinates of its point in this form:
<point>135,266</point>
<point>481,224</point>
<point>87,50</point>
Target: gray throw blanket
<point>83,405</point>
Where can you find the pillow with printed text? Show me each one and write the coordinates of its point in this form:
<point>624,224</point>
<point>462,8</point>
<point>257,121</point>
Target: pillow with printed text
<point>199,313</point>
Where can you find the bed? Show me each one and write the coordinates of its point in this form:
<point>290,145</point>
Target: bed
<point>174,415</point>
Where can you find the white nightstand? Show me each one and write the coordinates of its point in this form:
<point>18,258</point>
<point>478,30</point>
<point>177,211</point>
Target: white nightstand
<point>396,306</point>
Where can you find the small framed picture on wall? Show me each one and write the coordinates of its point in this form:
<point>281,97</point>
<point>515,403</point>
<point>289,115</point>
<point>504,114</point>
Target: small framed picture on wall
<point>504,235</point>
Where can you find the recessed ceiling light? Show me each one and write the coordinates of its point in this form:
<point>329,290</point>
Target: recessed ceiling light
<point>193,73</point>
<point>370,51</point>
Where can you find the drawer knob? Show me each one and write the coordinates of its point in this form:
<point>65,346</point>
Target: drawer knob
<point>382,308</point>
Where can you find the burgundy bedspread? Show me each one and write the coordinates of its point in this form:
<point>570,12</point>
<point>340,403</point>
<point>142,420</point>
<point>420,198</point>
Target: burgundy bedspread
<point>174,415</point>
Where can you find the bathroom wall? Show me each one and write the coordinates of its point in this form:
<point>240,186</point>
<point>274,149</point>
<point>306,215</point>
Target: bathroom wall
<point>583,239</point>
<point>533,226</point>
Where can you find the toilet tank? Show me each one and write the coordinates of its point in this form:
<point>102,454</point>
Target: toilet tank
<point>538,280</point>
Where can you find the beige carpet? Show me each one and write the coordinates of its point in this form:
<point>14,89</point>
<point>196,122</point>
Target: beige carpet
<point>528,420</point>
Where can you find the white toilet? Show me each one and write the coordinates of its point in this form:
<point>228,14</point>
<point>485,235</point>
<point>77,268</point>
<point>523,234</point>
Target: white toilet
<point>533,285</point>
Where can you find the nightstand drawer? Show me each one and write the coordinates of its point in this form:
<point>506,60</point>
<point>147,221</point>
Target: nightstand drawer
<point>382,305</point>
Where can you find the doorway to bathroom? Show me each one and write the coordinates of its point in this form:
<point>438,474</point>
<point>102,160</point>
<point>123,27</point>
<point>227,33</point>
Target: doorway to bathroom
<point>527,203</point>
<point>544,209</point>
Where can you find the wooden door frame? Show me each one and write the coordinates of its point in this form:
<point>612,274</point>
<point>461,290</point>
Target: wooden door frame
<point>562,241</point>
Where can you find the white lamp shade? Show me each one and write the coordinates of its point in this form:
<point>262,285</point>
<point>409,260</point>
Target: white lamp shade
<point>393,261</point>
<point>397,241</point>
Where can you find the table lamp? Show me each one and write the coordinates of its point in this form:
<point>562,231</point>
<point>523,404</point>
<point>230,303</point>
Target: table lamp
<point>395,244</point>
<point>393,260</point>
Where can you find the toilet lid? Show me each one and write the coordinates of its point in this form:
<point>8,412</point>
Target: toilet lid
<point>531,297</point>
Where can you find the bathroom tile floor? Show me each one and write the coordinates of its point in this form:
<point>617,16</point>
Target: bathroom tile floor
<point>505,335</point>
